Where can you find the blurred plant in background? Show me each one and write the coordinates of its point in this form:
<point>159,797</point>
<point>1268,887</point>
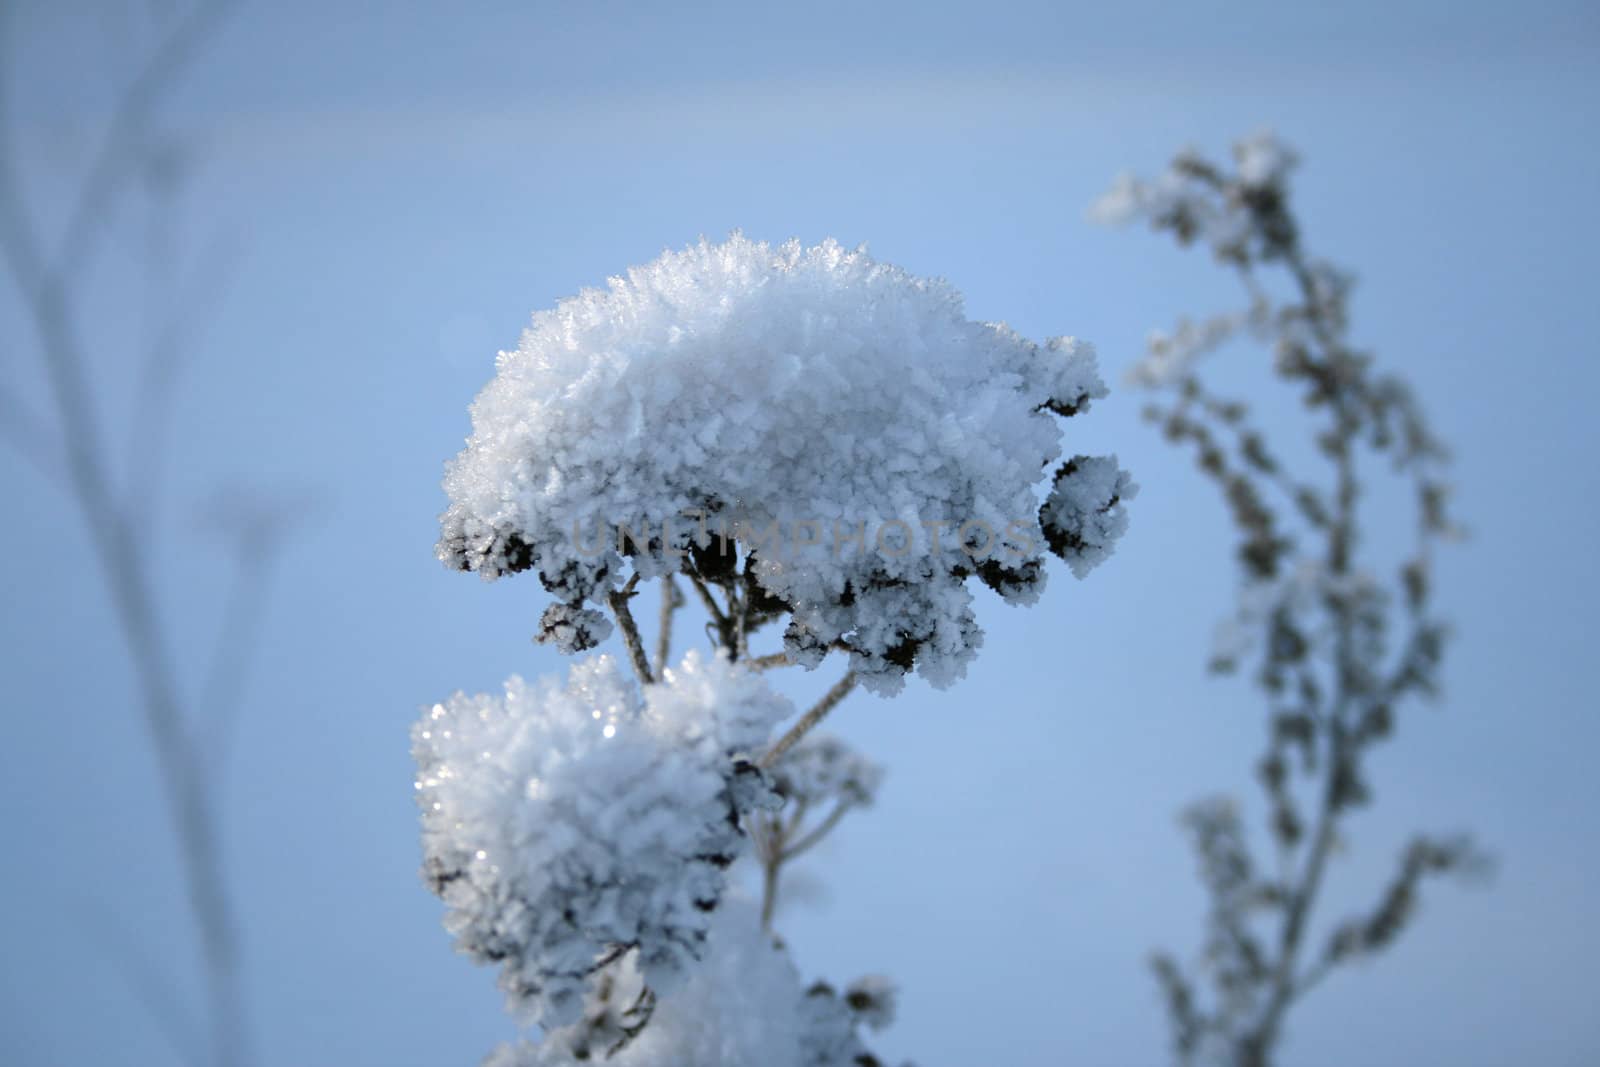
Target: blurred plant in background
<point>1337,643</point>
<point>122,234</point>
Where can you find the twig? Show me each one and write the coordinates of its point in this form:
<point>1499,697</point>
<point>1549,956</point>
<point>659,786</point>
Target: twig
<point>739,610</point>
<point>237,641</point>
<point>770,868</point>
<point>725,635</point>
<point>770,834</point>
<point>707,600</point>
<point>618,601</point>
<point>669,604</point>
<point>144,978</point>
<point>810,719</point>
<point>1312,977</point>
<point>32,437</point>
<point>818,832</point>
<point>134,108</point>
<point>169,351</point>
<point>46,291</point>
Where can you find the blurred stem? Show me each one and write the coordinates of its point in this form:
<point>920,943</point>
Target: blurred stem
<point>47,289</point>
<point>818,832</point>
<point>669,604</point>
<point>770,867</point>
<point>1258,1043</point>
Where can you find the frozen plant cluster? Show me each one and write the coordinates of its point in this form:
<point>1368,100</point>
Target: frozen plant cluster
<point>1333,639</point>
<point>745,422</point>
<point>1083,517</point>
<point>745,389</point>
<point>564,823</point>
<point>744,1005</point>
<point>1242,217</point>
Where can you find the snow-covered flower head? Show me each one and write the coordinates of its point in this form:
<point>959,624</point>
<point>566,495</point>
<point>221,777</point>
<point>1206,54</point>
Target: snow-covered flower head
<point>864,445</point>
<point>565,822</point>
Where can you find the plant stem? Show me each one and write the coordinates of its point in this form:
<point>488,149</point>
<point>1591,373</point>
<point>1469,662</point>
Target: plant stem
<point>618,602</point>
<point>809,720</point>
<point>669,604</point>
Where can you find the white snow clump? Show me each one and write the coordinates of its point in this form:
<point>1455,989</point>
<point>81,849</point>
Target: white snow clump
<point>862,445</point>
<point>568,824</point>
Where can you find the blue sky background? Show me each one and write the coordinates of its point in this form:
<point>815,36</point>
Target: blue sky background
<point>405,184</point>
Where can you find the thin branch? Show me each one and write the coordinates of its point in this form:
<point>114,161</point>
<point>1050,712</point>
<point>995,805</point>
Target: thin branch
<point>18,241</point>
<point>32,438</point>
<point>618,601</point>
<point>47,294</point>
<point>719,618</point>
<point>770,834</point>
<point>769,889</point>
<point>1312,977</point>
<point>1302,897</point>
<point>1340,538</point>
<point>168,353</point>
<point>707,600</point>
<point>669,604</point>
<point>765,663</point>
<point>237,640</point>
<point>818,832</point>
<point>144,978</point>
<point>810,719</point>
<point>739,609</point>
<point>134,108</point>
<point>791,825</point>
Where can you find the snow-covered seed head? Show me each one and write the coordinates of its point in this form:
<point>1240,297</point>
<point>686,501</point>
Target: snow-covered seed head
<point>830,431</point>
<point>564,823</point>
<point>1084,514</point>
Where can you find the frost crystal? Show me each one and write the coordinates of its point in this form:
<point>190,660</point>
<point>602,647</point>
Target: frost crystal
<point>744,1005</point>
<point>835,422</point>
<point>565,825</point>
<point>1084,516</point>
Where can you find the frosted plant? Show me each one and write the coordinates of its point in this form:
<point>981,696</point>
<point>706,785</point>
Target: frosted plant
<point>1317,619</point>
<point>820,780</point>
<point>1083,517</point>
<point>834,420</point>
<point>563,823</point>
<point>745,1004</point>
<point>796,434</point>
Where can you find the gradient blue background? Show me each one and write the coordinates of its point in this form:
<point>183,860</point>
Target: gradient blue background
<point>407,183</point>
